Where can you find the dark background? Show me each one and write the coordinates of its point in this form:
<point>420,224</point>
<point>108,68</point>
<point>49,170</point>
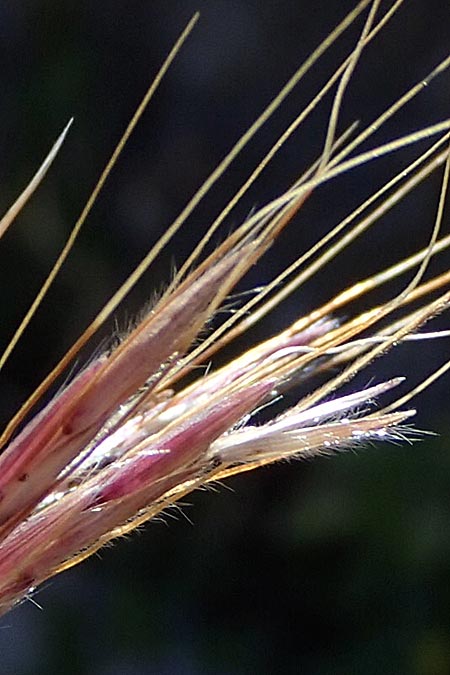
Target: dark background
<point>333,566</point>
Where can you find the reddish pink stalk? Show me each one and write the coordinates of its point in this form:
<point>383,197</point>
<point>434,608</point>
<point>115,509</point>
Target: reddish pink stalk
<point>30,465</point>
<point>117,493</point>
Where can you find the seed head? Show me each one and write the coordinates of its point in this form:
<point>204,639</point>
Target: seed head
<point>142,424</point>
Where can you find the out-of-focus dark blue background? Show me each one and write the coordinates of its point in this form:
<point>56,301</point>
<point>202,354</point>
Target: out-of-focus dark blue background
<point>332,566</point>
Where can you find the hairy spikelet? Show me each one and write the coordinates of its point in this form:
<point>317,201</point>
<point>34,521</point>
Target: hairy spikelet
<point>142,425</point>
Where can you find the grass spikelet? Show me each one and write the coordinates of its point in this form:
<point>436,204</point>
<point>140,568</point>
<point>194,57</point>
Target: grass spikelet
<point>162,413</point>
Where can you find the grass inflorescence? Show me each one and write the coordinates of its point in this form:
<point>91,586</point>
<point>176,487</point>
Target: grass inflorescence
<point>150,420</point>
